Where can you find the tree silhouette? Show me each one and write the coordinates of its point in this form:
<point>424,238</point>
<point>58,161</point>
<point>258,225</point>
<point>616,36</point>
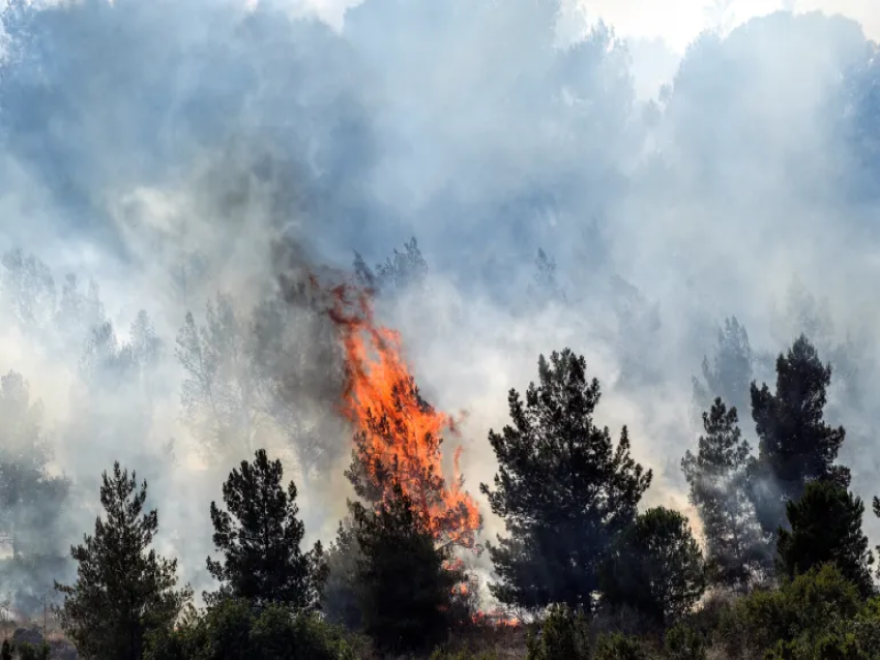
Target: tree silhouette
<point>655,566</point>
<point>563,489</point>
<point>826,526</point>
<point>123,590</point>
<point>719,479</point>
<point>260,536</point>
<point>796,445</point>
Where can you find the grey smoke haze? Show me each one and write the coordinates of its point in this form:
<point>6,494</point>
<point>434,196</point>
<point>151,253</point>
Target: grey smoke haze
<point>161,148</point>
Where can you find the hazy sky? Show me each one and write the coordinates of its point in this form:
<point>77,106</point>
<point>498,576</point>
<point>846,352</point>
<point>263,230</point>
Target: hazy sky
<point>678,21</point>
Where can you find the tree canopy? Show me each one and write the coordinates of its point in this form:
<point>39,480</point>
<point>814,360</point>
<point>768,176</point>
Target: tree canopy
<point>259,535</point>
<point>719,478</point>
<point>826,527</point>
<point>563,489</point>
<point>796,445</point>
<point>655,567</point>
<point>124,590</point>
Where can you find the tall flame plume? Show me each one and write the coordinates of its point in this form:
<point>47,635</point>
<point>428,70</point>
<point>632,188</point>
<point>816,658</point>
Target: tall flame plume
<point>399,436</point>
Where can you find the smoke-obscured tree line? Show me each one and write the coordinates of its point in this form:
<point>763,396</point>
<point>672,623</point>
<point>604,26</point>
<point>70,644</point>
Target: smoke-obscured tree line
<point>768,475</point>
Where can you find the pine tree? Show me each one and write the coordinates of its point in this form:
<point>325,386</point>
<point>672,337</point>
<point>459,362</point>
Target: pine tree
<point>796,445</point>
<point>655,567</point>
<point>826,527</point>
<point>339,596</point>
<point>729,374</point>
<point>404,583</point>
<point>33,502</point>
<point>718,475</point>
<point>562,488</point>
<point>123,590</point>
<point>260,536</point>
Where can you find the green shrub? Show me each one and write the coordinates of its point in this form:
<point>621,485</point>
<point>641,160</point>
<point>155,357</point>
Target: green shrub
<point>804,609</point>
<point>827,647</point>
<point>684,643</point>
<point>564,634</point>
<point>618,647</point>
<point>234,630</point>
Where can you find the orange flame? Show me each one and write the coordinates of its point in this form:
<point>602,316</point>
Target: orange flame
<point>399,435</point>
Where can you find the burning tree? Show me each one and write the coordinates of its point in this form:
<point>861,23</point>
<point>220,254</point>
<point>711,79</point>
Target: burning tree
<point>399,436</point>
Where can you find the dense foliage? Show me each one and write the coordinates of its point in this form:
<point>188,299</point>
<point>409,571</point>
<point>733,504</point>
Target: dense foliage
<point>563,489</point>
<point>259,536</point>
<point>124,590</point>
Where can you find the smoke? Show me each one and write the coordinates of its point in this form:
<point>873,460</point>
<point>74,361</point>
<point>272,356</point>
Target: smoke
<point>165,153</point>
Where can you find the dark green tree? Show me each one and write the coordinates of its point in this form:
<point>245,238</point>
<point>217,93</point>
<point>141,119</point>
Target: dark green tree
<point>729,373</point>
<point>564,634</point>
<point>123,589</point>
<point>404,583</point>
<point>796,445</point>
<point>655,567</point>
<point>826,527</point>
<point>719,475</point>
<point>260,536</point>
<point>339,597</point>
<point>563,489</point>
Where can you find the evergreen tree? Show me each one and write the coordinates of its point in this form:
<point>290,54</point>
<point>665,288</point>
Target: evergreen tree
<point>562,488</point>
<point>729,374</point>
<point>655,567</point>
<point>796,445</point>
<point>826,527</point>
<point>260,537</point>
<point>339,596</point>
<point>399,272</point>
<point>564,634</point>
<point>404,583</point>
<point>123,588</point>
<point>33,502</point>
<point>718,475</point>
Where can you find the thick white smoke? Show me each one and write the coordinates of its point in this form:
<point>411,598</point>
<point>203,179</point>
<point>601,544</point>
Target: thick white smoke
<point>162,148</point>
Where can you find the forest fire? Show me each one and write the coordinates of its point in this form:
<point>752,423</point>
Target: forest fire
<point>399,435</point>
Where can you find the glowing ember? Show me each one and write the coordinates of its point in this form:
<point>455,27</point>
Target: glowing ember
<point>398,434</point>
